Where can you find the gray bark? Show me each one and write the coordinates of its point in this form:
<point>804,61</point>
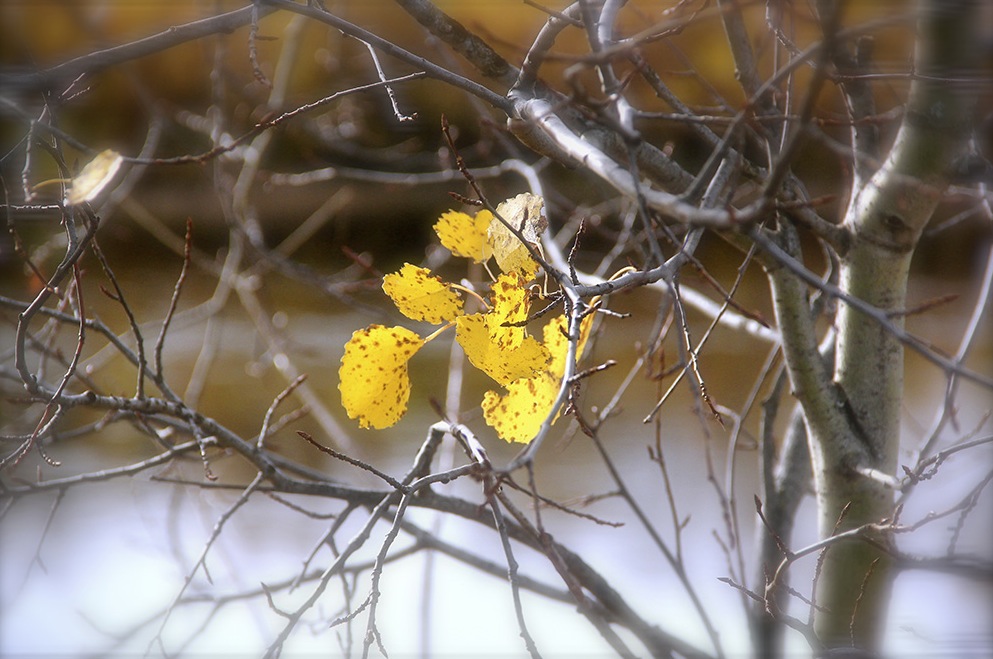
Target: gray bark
<point>885,218</point>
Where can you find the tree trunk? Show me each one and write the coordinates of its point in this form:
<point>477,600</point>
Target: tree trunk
<point>885,219</point>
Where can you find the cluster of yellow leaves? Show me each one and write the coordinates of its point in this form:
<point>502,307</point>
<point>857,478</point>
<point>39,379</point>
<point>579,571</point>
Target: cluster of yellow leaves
<point>517,416</point>
<point>373,377</point>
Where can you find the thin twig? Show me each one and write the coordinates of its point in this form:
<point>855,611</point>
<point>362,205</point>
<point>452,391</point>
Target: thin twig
<point>173,302</point>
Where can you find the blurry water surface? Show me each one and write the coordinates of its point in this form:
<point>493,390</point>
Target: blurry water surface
<point>116,554</point>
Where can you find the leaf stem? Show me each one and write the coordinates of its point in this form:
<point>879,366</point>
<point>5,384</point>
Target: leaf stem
<point>469,291</point>
<point>438,331</point>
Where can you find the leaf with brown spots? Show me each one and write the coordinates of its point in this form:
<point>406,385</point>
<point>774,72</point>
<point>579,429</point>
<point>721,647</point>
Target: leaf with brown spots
<point>557,342</point>
<point>373,378</point>
<point>419,295</point>
<point>465,236</point>
<point>518,415</point>
<point>503,363</point>
<point>511,304</point>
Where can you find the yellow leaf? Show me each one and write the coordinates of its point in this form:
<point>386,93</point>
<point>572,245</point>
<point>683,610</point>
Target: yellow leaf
<point>421,296</point>
<point>373,378</point>
<point>96,175</point>
<point>511,304</point>
<point>524,213</point>
<point>557,342</point>
<point>502,363</point>
<point>465,236</point>
<point>518,415</point>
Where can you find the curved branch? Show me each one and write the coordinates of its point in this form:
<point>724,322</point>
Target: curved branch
<point>63,74</point>
<point>433,70</point>
<point>541,115</point>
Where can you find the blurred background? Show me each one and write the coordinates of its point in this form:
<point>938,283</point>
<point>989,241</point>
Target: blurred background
<point>121,550</point>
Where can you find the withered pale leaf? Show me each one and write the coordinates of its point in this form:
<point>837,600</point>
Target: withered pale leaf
<point>95,176</point>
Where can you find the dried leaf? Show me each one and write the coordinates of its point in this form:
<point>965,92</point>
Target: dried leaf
<point>96,175</point>
<point>373,378</point>
<point>524,212</point>
<point>419,295</point>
